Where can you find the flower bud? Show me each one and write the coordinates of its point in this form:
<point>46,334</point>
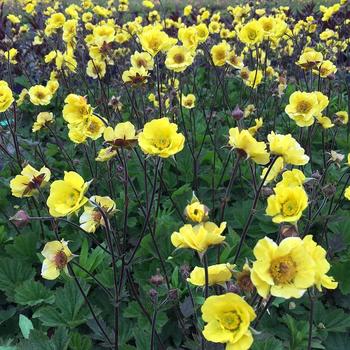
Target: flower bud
<point>173,294</point>
<point>289,231</point>
<point>157,279</point>
<point>237,113</point>
<point>329,190</point>
<point>20,219</point>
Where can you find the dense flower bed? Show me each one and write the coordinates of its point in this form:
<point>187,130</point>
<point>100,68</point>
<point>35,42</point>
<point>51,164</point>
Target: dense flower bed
<point>174,179</point>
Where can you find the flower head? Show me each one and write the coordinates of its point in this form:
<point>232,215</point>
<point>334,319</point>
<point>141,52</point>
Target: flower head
<point>252,33</point>
<point>123,135</point>
<point>217,274</point>
<point>285,270</point>
<point>199,237</point>
<point>288,148</point>
<point>6,97</point>
<point>57,256</point>
<point>42,119</point>
<point>160,138</point>
<point>248,147</point>
<point>67,195</point>
<point>92,218</point>
<point>29,181</point>
<point>178,58</point>
<point>40,95</point>
<point>228,318</point>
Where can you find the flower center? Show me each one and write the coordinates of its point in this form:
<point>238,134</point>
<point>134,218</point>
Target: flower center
<point>283,270</point>
<point>61,260</point>
<point>179,58</point>
<point>304,107</point>
<point>289,208</point>
<point>252,34</point>
<point>162,143</point>
<point>230,320</point>
<point>73,198</point>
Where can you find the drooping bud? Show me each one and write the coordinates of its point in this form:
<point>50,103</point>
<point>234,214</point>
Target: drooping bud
<point>20,219</point>
<point>237,113</point>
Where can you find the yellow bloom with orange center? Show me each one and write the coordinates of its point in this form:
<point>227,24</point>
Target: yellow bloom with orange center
<point>228,319</point>
<point>178,58</point>
<point>142,59</point>
<point>285,270</point>
<point>220,53</point>
<point>123,135</point>
<point>96,69</point>
<point>199,237</point>
<point>188,101</point>
<point>57,256</point>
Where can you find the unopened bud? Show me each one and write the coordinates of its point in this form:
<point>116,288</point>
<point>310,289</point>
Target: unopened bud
<point>173,294</point>
<point>329,190</point>
<point>289,231</point>
<point>157,279</point>
<point>237,113</point>
<point>20,219</point>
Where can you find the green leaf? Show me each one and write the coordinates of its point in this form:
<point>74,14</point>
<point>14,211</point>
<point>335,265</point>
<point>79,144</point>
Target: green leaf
<point>267,344</point>
<point>24,247</point>
<point>6,314</point>
<point>13,273</point>
<point>340,271</point>
<point>337,341</point>
<point>80,342</point>
<point>40,341</point>
<point>25,325</point>
<point>69,309</point>
<point>33,293</point>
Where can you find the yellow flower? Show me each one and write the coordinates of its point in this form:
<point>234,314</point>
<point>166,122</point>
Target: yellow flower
<point>258,124</point>
<point>188,101</point>
<point>325,122</point>
<point>302,107</point>
<point>254,78</point>
<point>40,95</point>
<point>29,181</point>
<point>228,318</point>
<point>6,97</point>
<point>251,33</point>
<point>10,56</point>
<point>57,256</point>
<point>189,37</point>
<point>234,60</point>
<point>268,25</point>
<point>160,138</point>
<point>325,69</point>
<point>199,237</point>
<point>285,270</point>
<point>142,59</point>
<point>187,10</point>
<point>76,109</point>
<point>287,204</point>
<point>322,266</point>
<point>135,76</point>
<point>247,146</point>
<point>178,58</point>
<point>202,32</point>
<point>220,53</point>
<point>342,116</point>
<point>347,193</point>
<point>106,154</point>
<point>21,97</point>
<point>217,274</point>
<point>92,218</point>
<point>103,34</point>
<point>274,171</point>
<point>67,195</point>
<point>309,59</point>
<point>288,148</point>
<point>123,135</point>
<point>42,119</point>
<point>96,69</point>
<point>196,211</point>
<point>292,178</point>
<point>13,19</point>
<point>154,40</point>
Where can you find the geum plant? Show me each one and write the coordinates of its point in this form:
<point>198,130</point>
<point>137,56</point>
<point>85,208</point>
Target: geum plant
<point>143,207</point>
